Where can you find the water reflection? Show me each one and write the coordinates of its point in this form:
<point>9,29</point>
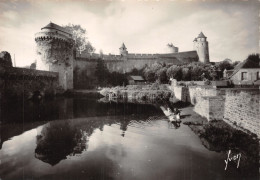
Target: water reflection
<point>107,140</point>
<point>59,139</point>
<point>32,114</point>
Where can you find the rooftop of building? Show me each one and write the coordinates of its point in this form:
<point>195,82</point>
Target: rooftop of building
<point>136,78</point>
<point>52,25</point>
<point>201,35</point>
<point>123,46</point>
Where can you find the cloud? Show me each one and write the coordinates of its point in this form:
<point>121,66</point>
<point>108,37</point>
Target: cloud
<point>145,27</point>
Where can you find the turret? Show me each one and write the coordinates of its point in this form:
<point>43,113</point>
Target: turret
<point>123,50</point>
<point>55,53</point>
<point>200,44</point>
<point>172,48</point>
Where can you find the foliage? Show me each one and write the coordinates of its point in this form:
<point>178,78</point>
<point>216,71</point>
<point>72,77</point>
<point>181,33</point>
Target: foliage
<point>224,65</point>
<point>101,72</point>
<point>186,74</point>
<point>175,72</point>
<point>161,75</point>
<point>254,57</point>
<point>81,79</point>
<point>150,72</point>
<point>116,78</point>
<point>80,38</point>
<point>196,73</point>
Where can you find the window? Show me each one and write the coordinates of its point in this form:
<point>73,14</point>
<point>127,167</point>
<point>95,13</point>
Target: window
<point>244,76</point>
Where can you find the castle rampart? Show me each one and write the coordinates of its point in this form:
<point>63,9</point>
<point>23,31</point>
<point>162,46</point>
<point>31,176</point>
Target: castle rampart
<point>21,82</point>
<point>55,53</point>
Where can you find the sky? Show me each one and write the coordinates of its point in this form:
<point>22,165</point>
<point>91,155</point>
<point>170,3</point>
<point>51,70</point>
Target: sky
<point>145,26</point>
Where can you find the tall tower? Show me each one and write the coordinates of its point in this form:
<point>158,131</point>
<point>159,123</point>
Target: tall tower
<point>55,53</point>
<point>201,45</point>
<point>123,50</point>
<point>172,48</point>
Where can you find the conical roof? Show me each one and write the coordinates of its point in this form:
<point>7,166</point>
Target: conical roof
<point>55,26</point>
<point>123,45</point>
<point>201,35</point>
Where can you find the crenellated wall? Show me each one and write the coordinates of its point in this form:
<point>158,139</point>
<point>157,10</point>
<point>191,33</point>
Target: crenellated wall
<point>21,82</point>
<point>55,53</point>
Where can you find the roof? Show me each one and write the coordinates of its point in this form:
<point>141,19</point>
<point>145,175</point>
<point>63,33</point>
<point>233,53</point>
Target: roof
<point>123,46</point>
<point>55,26</point>
<point>201,35</point>
<point>137,78</point>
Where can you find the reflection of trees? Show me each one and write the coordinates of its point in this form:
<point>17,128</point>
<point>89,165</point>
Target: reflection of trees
<point>57,140</point>
<point>220,137</point>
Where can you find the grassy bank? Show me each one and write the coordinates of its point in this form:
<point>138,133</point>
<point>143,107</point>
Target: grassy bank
<point>139,92</point>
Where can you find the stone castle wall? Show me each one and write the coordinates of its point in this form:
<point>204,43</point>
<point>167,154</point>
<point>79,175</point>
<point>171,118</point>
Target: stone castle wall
<point>85,63</point>
<point>239,108</point>
<point>243,110</point>
<point>21,82</point>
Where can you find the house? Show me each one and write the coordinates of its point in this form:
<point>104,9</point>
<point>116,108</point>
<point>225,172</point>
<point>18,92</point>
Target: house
<point>136,80</point>
<point>246,72</point>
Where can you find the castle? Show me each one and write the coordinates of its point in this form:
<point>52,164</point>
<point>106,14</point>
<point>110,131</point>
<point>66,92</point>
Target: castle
<point>55,53</point>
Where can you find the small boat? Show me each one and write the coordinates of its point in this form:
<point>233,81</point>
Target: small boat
<point>170,115</point>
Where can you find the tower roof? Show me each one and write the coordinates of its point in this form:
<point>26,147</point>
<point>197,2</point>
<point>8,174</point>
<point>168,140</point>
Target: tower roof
<point>201,35</point>
<point>56,27</point>
<point>123,45</point>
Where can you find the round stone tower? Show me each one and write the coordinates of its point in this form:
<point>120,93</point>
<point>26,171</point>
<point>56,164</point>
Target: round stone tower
<point>55,53</point>
<point>172,48</point>
<point>201,45</point>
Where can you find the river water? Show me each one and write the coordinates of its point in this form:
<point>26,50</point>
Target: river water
<point>88,139</point>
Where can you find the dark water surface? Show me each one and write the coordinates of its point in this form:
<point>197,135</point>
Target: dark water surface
<point>86,139</point>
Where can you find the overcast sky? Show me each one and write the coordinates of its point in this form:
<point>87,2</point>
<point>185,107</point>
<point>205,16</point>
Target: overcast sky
<point>144,27</point>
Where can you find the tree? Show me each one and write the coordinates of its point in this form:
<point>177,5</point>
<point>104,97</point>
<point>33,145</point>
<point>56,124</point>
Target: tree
<point>79,37</point>
<point>224,65</point>
<point>117,79</point>
<point>161,75</point>
<point>150,75</point>
<point>196,73</point>
<point>174,72</point>
<point>150,72</point>
<point>186,74</point>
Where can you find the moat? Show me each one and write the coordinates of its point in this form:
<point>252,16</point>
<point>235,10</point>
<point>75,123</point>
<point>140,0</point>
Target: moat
<point>85,138</point>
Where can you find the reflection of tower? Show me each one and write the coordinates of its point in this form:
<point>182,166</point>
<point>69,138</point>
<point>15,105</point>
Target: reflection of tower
<point>55,53</point>
<point>200,44</point>
<point>123,126</point>
<point>123,50</point>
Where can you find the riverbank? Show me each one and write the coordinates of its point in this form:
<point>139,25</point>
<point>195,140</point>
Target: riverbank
<point>158,92</point>
<point>219,136</point>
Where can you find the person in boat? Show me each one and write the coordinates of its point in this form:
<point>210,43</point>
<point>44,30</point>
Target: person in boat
<point>169,111</point>
<point>177,113</point>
